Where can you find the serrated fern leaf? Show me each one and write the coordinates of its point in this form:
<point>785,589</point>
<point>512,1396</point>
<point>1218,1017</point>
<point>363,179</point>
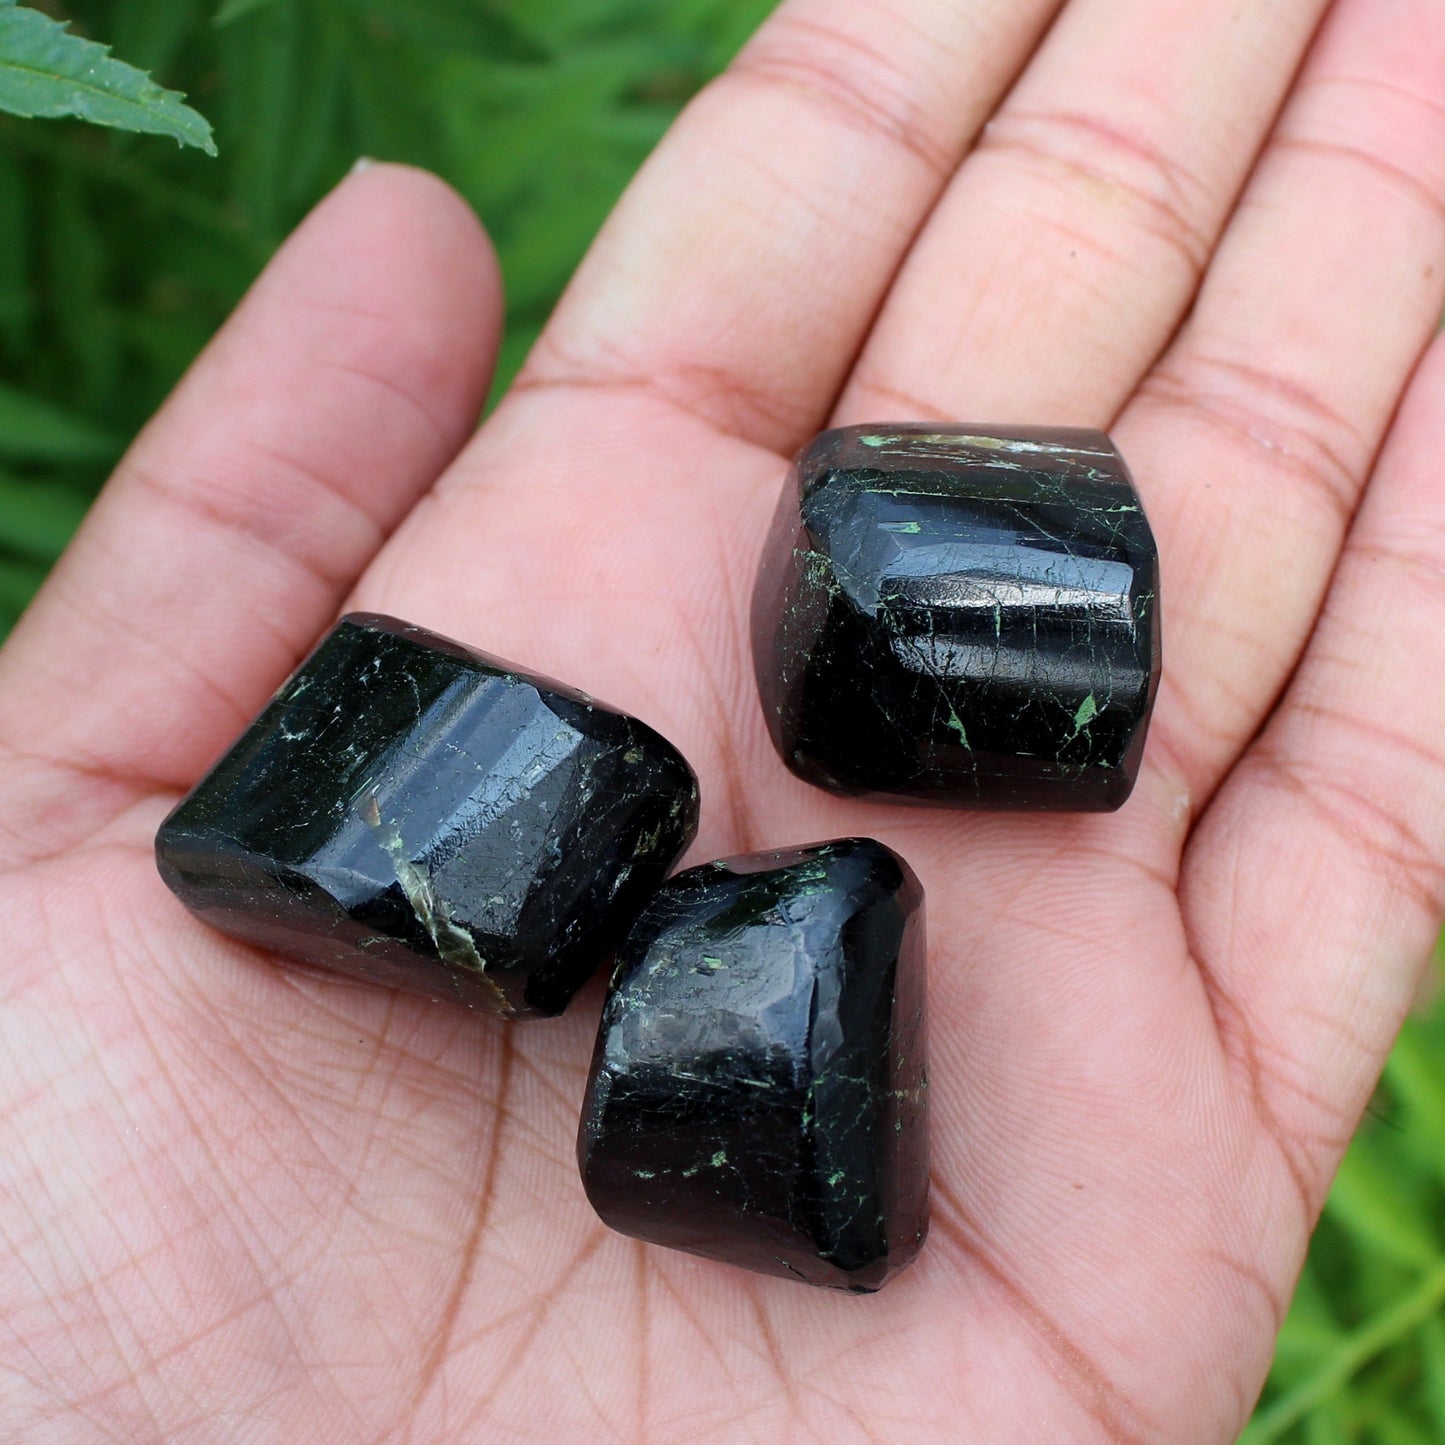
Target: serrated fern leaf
<point>46,71</point>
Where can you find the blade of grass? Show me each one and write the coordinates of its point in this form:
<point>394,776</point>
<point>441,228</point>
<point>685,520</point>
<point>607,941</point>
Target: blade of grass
<point>16,300</point>
<point>450,26</point>
<point>266,71</point>
<point>1390,1427</point>
<point>1432,1349</point>
<point>170,201</point>
<point>1355,1350</point>
<point>40,431</point>
<point>1368,1201</point>
<point>151,32</point>
<point>1415,1077</point>
<point>1310,1329</point>
<point>235,9</point>
<point>311,156</point>
<point>1322,1429</point>
<point>38,518</point>
<point>19,581</point>
<point>80,264</point>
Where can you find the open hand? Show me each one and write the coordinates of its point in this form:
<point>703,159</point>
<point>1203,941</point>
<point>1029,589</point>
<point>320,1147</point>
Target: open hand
<point>243,1202</point>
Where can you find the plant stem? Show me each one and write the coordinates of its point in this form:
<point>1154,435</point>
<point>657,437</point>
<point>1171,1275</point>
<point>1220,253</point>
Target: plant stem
<point>1352,1353</point>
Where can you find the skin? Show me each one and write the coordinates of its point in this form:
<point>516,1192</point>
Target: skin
<point>243,1202</point>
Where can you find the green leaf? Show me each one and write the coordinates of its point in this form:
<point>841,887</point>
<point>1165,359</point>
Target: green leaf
<point>16,297</point>
<point>1432,1347</point>
<point>724,24</point>
<point>311,154</point>
<point>78,260</point>
<point>19,581</point>
<point>46,71</point>
<point>451,26</point>
<point>518,339</point>
<point>1391,1427</point>
<point>36,430</point>
<point>152,32</point>
<point>1326,1428</point>
<point>1309,1330</point>
<point>235,9</point>
<point>1336,1369</point>
<point>1416,1076</point>
<point>1368,1201</point>
<point>38,518</point>
<point>267,69</point>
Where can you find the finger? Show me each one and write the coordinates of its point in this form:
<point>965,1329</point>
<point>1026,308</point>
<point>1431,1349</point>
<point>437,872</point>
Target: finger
<point>345,381</point>
<point>1255,434</point>
<point>1314,885</point>
<point>1062,256</point>
<point>740,272</point>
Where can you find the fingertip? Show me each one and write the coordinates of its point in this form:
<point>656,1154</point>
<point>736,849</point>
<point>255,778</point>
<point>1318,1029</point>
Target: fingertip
<point>343,385</point>
<point>410,204</point>
<point>444,310</point>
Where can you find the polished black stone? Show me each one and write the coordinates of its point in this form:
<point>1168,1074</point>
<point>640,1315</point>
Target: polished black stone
<point>959,617</point>
<point>412,812</point>
<point>758,1089</point>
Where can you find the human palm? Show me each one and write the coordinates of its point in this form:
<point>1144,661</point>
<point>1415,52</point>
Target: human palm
<point>247,1202</point>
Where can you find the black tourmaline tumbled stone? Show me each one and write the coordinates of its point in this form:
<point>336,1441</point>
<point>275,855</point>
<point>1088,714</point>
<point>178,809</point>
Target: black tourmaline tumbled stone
<point>412,812</point>
<point>758,1090</point>
<point>960,617</point>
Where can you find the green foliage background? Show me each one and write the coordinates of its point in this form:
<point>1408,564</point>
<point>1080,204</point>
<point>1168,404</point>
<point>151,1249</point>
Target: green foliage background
<point>121,254</point>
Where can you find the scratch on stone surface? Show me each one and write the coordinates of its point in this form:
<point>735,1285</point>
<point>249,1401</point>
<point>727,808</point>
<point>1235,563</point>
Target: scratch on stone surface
<point>453,942</point>
<point>961,440</point>
<point>1088,710</point>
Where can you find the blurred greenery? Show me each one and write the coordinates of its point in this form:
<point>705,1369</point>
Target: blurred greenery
<point>1361,1357</point>
<point>120,255</point>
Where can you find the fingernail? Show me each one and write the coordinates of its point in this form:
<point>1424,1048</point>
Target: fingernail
<point>362,163</point>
